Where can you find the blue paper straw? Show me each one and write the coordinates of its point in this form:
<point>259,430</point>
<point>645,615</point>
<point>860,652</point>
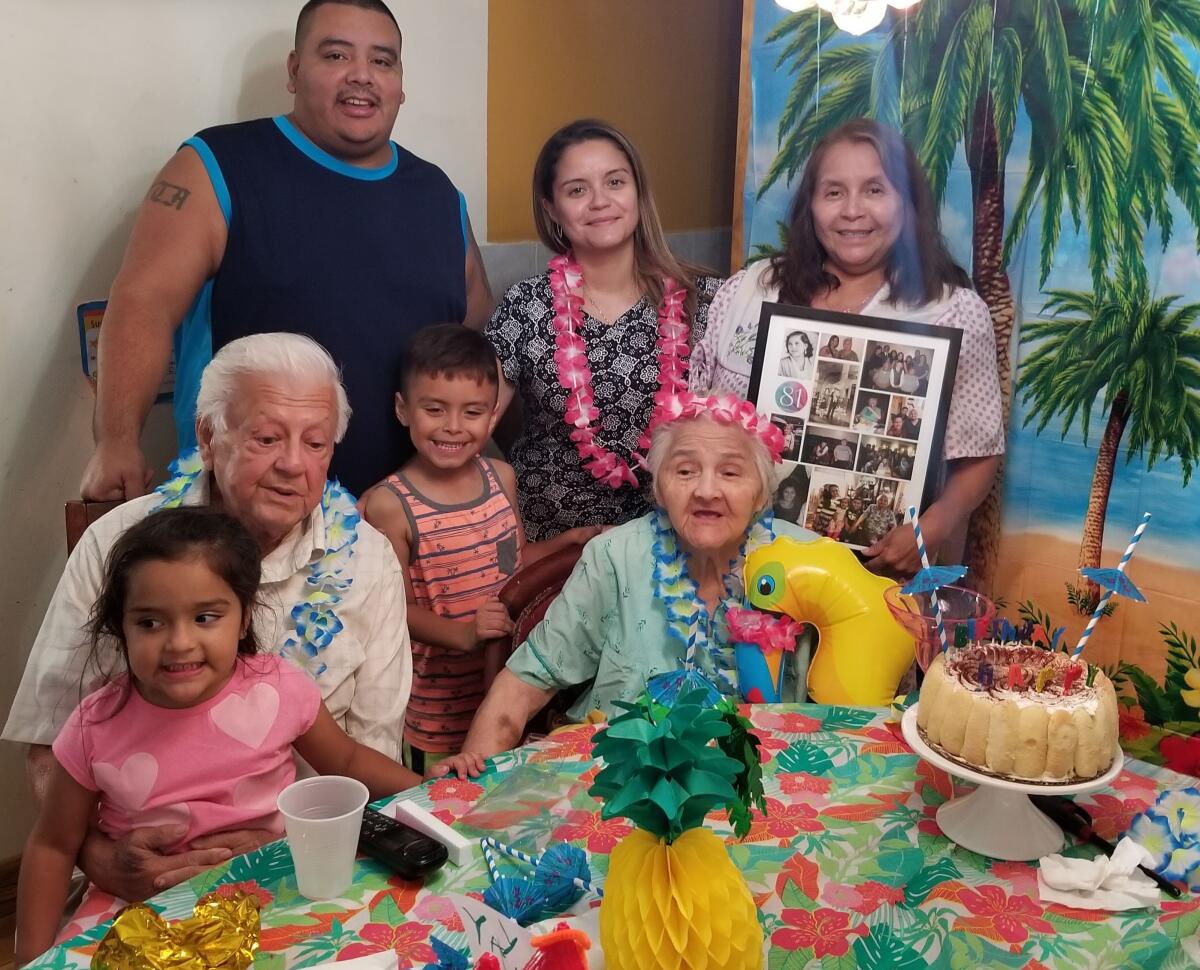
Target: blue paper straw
<point>937,605</point>
<point>508,850</point>
<point>489,859</point>
<point>1108,593</point>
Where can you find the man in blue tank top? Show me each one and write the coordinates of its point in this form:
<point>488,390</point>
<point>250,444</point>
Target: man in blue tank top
<point>314,222</point>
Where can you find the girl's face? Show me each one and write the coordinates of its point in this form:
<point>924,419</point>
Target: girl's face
<point>795,345</point>
<point>833,343</point>
<point>595,197</point>
<point>787,495</point>
<point>181,624</point>
<point>857,213</point>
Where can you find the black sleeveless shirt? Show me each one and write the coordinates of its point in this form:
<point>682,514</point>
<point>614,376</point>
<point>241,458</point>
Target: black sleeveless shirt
<point>356,258</point>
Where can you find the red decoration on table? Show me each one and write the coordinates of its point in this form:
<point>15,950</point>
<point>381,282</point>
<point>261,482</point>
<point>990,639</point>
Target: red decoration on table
<point>564,949</point>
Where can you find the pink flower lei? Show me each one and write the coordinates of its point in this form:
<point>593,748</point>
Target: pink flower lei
<point>771,632</point>
<point>574,373</point>
<point>724,409</point>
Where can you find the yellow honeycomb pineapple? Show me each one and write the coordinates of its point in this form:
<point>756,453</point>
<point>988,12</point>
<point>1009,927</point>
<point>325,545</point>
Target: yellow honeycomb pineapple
<point>673,899</point>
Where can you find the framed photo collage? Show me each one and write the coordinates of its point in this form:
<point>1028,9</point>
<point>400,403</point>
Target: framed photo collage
<point>862,404</point>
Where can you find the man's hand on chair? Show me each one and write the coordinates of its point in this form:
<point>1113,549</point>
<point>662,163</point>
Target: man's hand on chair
<point>116,472</point>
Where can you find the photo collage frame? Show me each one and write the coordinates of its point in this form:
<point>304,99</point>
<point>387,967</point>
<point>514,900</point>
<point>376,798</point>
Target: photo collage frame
<point>862,404</point>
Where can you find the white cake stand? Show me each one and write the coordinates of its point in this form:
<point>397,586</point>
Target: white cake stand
<point>997,819</point>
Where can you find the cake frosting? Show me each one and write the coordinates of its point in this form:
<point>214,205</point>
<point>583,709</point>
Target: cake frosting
<point>1019,711</point>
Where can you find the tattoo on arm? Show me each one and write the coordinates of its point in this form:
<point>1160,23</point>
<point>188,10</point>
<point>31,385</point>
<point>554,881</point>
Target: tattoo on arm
<point>168,194</point>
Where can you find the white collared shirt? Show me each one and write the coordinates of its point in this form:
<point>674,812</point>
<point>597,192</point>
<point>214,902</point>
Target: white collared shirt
<point>369,663</point>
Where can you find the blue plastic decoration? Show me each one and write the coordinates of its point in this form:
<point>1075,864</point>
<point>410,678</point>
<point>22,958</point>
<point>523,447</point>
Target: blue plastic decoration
<point>517,898</point>
<point>557,871</point>
<point>448,958</point>
<point>1115,580</point>
<point>666,688</point>
<point>933,578</point>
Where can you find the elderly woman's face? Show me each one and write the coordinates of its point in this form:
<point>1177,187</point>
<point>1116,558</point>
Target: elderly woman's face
<point>270,463</point>
<point>709,485</point>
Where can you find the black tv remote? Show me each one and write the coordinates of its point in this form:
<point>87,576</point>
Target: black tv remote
<point>404,850</point>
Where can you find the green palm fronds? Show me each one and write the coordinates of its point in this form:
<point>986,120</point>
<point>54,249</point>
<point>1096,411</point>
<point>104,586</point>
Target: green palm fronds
<point>1113,106</point>
<point>1118,342</point>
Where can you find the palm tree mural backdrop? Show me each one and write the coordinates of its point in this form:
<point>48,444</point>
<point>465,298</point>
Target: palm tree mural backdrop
<point>1138,356</point>
<point>1111,112</point>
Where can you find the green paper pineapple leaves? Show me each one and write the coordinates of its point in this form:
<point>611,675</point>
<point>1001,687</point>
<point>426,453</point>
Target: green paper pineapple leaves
<point>662,773</point>
<point>741,745</point>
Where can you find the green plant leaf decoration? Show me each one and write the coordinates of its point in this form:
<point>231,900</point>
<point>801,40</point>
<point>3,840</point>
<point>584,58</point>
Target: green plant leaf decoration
<point>742,745</point>
<point>662,771</point>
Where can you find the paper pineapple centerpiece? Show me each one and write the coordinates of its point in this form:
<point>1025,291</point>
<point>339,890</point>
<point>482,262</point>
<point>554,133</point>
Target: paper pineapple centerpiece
<point>672,898</point>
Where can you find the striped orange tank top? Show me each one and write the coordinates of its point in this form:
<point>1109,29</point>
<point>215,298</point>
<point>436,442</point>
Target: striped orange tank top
<point>460,555</point>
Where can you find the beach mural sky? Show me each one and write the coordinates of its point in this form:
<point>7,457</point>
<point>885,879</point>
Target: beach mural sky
<point>1048,477</point>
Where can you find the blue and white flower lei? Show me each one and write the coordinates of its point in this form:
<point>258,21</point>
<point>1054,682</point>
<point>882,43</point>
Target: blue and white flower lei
<point>1170,831</point>
<point>688,620</point>
<point>314,620</point>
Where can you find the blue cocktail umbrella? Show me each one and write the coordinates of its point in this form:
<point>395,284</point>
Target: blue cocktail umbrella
<point>517,898</point>
<point>1115,580</point>
<point>561,873</point>
<point>933,578</point>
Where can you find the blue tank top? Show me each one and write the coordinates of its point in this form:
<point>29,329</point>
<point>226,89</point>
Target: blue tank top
<point>357,258</point>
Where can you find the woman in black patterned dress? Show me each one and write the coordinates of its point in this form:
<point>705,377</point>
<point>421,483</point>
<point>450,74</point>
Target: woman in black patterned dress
<point>592,204</point>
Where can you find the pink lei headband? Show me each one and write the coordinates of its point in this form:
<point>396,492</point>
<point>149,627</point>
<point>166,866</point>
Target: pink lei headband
<point>724,409</point>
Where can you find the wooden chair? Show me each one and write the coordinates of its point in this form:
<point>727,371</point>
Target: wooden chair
<point>527,595</point>
<point>80,515</point>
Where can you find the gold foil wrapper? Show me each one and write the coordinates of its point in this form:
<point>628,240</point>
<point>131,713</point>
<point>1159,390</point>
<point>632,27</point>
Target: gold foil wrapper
<point>222,932</point>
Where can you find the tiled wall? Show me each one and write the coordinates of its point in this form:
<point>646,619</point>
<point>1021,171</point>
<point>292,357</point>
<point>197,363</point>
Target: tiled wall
<point>508,262</point>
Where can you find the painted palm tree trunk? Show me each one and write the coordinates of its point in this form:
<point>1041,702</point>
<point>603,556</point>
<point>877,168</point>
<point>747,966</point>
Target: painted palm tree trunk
<point>990,276</point>
<point>1092,546</point>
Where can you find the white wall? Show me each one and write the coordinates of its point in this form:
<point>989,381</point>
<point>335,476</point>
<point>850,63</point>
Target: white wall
<point>97,95</point>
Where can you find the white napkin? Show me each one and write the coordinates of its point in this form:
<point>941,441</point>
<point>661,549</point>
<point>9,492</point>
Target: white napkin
<point>1112,882</point>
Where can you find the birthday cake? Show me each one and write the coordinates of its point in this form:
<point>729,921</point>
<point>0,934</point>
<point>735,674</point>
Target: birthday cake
<point>1018,711</point>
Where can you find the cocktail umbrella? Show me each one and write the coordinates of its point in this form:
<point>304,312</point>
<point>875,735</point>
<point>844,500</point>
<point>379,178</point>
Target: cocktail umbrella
<point>561,873</point>
<point>518,898</point>
<point>933,578</point>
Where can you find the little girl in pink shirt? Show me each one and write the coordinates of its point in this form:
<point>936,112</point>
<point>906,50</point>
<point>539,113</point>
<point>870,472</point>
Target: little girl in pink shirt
<point>196,730</point>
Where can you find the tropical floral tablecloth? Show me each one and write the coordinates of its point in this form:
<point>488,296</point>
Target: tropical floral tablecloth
<point>848,868</point>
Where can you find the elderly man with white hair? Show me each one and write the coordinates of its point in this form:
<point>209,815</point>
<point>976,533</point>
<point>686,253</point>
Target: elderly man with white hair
<point>270,409</point>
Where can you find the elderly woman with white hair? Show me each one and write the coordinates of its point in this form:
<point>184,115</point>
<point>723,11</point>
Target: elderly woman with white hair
<point>643,591</point>
<point>270,409</point>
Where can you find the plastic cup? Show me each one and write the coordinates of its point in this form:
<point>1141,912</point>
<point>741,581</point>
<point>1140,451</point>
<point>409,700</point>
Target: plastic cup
<point>323,817</point>
<point>916,614</point>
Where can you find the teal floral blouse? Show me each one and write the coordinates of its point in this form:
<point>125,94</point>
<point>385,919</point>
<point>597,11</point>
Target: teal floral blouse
<point>607,627</point>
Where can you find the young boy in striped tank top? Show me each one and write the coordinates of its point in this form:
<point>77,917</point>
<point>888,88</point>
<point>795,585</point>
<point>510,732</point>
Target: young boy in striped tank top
<point>451,516</point>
